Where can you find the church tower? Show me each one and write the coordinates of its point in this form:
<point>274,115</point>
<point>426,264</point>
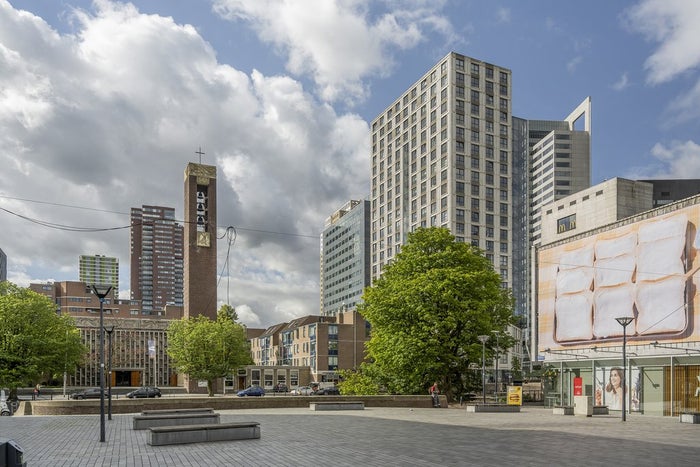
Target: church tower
<point>200,241</point>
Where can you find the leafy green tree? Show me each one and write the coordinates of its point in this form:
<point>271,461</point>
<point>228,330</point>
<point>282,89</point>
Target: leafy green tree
<point>36,344</point>
<point>206,349</point>
<point>358,381</point>
<point>427,310</point>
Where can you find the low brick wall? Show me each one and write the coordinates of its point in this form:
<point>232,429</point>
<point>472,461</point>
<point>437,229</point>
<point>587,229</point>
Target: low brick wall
<point>123,405</point>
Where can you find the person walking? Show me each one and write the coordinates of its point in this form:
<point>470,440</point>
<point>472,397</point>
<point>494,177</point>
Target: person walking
<point>435,393</point>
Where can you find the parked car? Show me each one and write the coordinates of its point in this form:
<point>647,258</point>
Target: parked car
<point>281,387</point>
<point>251,391</point>
<point>89,393</point>
<point>144,392</point>
<point>302,391</point>
<point>331,391</point>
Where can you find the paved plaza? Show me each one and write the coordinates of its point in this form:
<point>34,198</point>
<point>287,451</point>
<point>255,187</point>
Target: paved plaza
<point>371,437</point>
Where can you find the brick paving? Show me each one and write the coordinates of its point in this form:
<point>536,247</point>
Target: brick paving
<point>371,437</point>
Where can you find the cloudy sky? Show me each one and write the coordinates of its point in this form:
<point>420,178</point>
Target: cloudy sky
<point>103,104</point>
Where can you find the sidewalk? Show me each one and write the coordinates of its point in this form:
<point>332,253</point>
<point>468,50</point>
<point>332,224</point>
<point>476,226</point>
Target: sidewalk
<point>371,437</point>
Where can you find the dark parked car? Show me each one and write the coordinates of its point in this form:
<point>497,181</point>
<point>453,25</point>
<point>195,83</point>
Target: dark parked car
<point>332,391</point>
<point>281,387</point>
<point>89,393</point>
<point>251,391</point>
<point>144,392</point>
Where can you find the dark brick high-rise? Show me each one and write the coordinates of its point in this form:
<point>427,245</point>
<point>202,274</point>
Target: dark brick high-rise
<point>200,241</point>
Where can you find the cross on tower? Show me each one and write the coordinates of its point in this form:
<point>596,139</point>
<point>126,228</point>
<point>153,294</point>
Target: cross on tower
<point>200,154</point>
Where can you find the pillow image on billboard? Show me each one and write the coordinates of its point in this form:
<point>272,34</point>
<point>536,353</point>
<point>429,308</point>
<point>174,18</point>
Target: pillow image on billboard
<point>574,317</point>
<point>661,306</point>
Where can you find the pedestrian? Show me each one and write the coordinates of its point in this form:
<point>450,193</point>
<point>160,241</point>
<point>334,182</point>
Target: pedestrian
<point>435,393</point>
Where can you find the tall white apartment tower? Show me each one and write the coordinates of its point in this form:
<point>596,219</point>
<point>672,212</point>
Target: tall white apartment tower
<point>100,269</point>
<point>441,156</point>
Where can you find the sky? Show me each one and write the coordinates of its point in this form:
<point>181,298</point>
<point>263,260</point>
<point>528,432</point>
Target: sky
<point>103,104</point>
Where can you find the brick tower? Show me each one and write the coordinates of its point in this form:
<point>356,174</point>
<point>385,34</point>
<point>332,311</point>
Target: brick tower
<point>200,241</point>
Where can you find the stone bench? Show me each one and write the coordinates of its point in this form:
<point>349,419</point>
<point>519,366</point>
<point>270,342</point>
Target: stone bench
<point>142,422</point>
<point>339,405</point>
<point>563,410</point>
<point>185,434</point>
<point>600,410</point>
<point>177,411</point>
<point>689,417</point>
<point>495,408</point>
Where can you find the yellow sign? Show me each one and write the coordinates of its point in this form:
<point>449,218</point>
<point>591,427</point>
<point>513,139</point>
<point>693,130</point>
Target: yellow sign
<point>515,395</point>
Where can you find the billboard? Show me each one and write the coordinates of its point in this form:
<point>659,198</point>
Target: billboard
<point>647,270</point>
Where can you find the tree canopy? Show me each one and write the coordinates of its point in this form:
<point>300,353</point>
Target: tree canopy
<point>206,349</point>
<point>36,343</point>
<point>426,312</point>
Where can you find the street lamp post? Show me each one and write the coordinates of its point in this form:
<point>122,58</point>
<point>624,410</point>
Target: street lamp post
<point>498,357</point>
<point>109,330</point>
<point>101,291</point>
<point>624,322</point>
<point>483,340</point>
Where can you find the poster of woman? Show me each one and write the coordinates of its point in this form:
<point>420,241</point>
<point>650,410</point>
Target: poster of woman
<point>610,387</point>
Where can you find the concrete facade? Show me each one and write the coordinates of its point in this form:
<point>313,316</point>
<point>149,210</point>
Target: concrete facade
<point>596,206</point>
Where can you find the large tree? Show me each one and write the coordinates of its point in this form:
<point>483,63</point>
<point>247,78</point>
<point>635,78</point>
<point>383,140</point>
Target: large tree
<point>206,349</point>
<point>36,344</point>
<point>426,311</point>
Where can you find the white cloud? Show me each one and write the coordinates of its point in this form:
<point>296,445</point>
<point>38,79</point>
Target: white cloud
<point>679,159</point>
<point>107,117</point>
<point>685,107</point>
<point>621,83</point>
<point>574,63</point>
<point>503,15</point>
<point>673,24</point>
<point>336,42</point>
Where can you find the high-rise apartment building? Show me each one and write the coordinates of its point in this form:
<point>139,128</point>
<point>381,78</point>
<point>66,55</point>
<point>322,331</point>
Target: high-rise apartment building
<point>442,156</point>
<point>345,257</point>
<point>3,266</point>
<point>156,258</point>
<point>449,153</point>
<point>551,160</point>
<point>99,269</point>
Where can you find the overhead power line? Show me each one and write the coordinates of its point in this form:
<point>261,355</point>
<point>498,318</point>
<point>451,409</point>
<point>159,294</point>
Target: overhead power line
<point>102,229</point>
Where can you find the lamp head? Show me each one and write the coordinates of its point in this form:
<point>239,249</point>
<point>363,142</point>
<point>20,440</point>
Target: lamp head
<point>624,320</point>
<point>483,339</point>
<point>101,290</point>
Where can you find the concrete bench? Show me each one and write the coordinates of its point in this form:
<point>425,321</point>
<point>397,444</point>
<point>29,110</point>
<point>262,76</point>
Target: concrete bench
<point>177,411</point>
<point>185,434</point>
<point>563,410</point>
<point>495,408</point>
<point>142,422</point>
<point>339,405</point>
<point>689,417</point>
<point>600,410</point>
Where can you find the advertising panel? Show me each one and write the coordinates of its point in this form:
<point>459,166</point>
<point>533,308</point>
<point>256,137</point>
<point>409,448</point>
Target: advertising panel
<point>515,395</point>
<point>647,270</point>
<point>610,386</point>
